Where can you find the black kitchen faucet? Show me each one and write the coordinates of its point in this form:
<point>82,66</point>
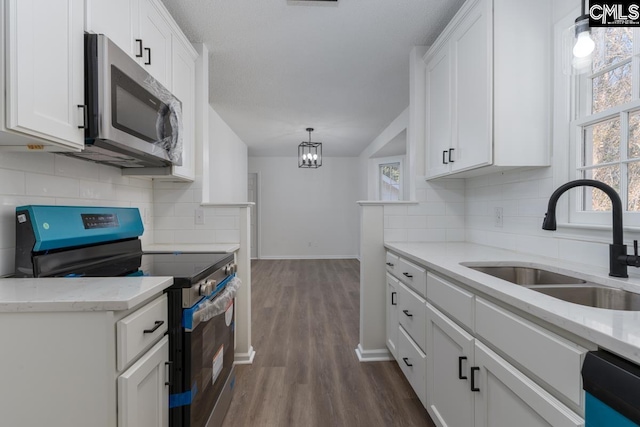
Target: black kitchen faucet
<point>618,258</point>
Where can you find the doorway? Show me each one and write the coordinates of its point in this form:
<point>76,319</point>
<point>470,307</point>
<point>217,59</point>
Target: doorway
<point>252,196</point>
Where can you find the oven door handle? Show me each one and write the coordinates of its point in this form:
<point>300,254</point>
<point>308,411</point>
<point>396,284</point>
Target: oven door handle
<point>217,305</point>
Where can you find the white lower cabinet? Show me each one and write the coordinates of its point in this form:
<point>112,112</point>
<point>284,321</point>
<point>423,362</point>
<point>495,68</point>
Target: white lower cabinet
<point>471,386</point>
<point>142,392</point>
<point>64,365</point>
<point>506,397</point>
<point>449,400</point>
<point>412,361</point>
<point>392,315</point>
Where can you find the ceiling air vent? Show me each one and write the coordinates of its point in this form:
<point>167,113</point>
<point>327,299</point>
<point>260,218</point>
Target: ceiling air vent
<point>312,2</point>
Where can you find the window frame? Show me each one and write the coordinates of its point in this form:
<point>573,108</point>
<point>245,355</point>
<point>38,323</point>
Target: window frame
<point>389,162</point>
<point>580,94</point>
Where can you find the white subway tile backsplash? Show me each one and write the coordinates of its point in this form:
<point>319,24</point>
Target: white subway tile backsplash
<point>7,233</point>
<point>225,223</point>
<point>196,236</point>
<point>227,236</point>
<point>27,162</point>
<point>163,236</point>
<point>397,210</point>
<point>173,196</point>
<point>7,261</point>
<point>72,168</point>
<point>455,235</point>
<point>428,208</point>
<point>99,190</point>
<point>415,222</point>
<point>174,223</point>
<point>391,235</point>
<point>52,186</point>
<point>427,236</point>
<point>396,222</point>
<point>538,246</point>
<point>12,182</point>
<point>164,209</point>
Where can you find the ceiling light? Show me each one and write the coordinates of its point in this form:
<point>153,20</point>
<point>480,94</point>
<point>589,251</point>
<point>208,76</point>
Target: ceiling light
<point>310,153</point>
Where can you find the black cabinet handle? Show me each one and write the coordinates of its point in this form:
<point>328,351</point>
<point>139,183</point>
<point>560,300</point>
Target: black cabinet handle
<point>405,361</point>
<point>393,301</point>
<point>84,116</point>
<point>148,50</point>
<point>410,276</point>
<point>139,54</point>
<point>451,151</point>
<point>406,312</point>
<point>390,264</point>
<point>444,154</point>
<point>157,324</point>
<point>473,378</point>
<point>460,376</point>
<point>169,363</point>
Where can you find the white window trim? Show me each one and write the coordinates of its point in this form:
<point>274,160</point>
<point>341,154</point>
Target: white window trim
<point>377,162</point>
<point>566,145</point>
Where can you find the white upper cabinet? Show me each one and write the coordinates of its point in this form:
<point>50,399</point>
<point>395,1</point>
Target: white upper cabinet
<point>139,27</point>
<point>488,89</point>
<point>44,81</point>
<point>155,34</point>
<point>118,20</point>
<point>183,74</point>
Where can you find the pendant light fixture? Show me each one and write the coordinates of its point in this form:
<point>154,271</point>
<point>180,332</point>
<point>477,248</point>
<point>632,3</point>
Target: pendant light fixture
<point>310,153</point>
<point>578,45</point>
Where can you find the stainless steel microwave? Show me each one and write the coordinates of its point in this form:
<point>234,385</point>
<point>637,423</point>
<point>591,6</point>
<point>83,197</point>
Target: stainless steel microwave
<point>132,121</point>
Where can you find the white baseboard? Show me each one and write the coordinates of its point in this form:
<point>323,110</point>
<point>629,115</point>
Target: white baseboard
<point>310,257</point>
<point>245,358</point>
<point>375,355</point>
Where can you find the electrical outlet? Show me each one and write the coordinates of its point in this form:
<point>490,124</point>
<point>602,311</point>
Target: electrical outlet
<point>497,217</point>
<point>199,216</point>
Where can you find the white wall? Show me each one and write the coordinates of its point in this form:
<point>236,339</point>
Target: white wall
<point>227,163</point>
<point>175,203</point>
<point>298,206</point>
<point>50,179</point>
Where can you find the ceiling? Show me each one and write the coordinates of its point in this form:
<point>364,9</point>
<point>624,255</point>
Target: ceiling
<point>278,67</point>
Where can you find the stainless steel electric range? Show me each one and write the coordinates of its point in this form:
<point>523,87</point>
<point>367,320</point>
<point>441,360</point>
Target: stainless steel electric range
<point>71,241</point>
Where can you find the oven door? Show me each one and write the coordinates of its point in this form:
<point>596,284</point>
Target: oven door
<point>209,350</point>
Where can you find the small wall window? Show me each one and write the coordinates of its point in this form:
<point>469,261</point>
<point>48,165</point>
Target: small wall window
<point>390,182</point>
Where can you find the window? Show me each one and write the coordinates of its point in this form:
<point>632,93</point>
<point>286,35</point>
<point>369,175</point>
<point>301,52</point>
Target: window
<point>607,126</point>
<point>390,188</point>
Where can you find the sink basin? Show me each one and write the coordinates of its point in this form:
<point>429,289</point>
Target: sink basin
<point>594,296</point>
<point>527,276</point>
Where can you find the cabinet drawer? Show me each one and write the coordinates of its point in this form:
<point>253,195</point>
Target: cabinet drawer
<point>392,263</point>
<point>413,276</point>
<point>412,311</point>
<point>453,300</point>
<point>140,330</point>
<point>552,358</point>
<point>413,363</point>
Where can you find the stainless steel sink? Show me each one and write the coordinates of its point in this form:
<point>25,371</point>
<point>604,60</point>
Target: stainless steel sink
<point>527,276</point>
<point>563,287</point>
<point>594,296</point>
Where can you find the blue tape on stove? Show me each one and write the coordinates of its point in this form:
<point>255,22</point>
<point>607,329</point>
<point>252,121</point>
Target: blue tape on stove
<point>187,313</point>
<point>183,399</point>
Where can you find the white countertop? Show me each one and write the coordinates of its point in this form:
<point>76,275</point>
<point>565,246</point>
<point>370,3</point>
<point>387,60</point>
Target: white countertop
<point>78,294</point>
<point>192,248</point>
<point>618,331</point>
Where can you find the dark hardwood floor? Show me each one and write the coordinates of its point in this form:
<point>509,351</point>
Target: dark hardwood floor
<point>305,320</point>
